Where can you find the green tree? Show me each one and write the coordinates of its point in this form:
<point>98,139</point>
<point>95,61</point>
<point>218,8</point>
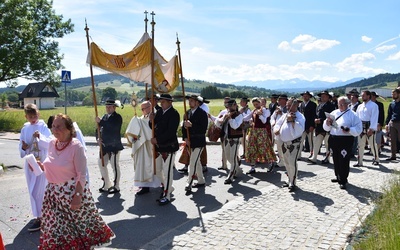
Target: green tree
<point>109,93</point>
<point>28,48</point>
<point>211,92</point>
<point>12,97</point>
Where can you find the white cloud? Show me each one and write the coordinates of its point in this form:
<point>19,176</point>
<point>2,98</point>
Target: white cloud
<point>355,64</point>
<point>394,57</point>
<point>366,39</point>
<point>304,43</point>
<point>383,49</point>
<point>284,46</point>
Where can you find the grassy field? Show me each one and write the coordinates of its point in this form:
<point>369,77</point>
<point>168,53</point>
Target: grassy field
<point>381,230</point>
<point>14,119</point>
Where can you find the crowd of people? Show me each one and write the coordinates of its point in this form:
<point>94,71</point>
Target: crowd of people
<point>275,134</point>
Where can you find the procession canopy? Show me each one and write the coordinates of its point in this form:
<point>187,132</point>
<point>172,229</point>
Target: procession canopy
<point>136,65</point>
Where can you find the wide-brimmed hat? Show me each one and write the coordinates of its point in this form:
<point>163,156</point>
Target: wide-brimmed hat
<point>283,96</point>
<point>374,94</point>
<point>195,97</point>
<point>325,93</point>
<point>275,96</point>
<point>167,97</point>
<point>307,93</point>
<point>203,99</point>
<point>112,102</point>
<point>353,92</point>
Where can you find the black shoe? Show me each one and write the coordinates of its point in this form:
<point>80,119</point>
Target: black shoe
<point>325,161</point>
<point>222,168</point>
<point>342,186</point>
<point>311,161</point>
<point>198,185</point>
<point>183,170</point>
<point>375,163</point>
<point>35,226</point>
<point>143,190</point>
<point>102,190</point>
<point>285,185</point>
<point>292,188</point>
<point>113,190</point>
<point>251,171</point>
<point>188,189</point>
<point>272,167</point>
<point>311,156</point>
<point>334,180</point>
<point>390,159</point>
<point>358,165</point>
<point>228,181</point>
<point>163,201</point>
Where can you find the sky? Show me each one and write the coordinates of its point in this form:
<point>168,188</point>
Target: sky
<point>230,41</point>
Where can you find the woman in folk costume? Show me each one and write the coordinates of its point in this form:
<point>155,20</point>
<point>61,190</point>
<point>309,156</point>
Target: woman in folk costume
<point>138,134</point>
<point>70,219</point>
<point>258,145</point>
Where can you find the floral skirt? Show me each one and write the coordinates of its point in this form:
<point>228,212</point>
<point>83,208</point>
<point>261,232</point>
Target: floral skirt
<point>259,147</point>
<point>63,228</point>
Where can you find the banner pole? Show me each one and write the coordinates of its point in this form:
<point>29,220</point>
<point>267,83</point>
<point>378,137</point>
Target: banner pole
<point>183,87</point>
<point>152,87</point>
<point>94,94</point>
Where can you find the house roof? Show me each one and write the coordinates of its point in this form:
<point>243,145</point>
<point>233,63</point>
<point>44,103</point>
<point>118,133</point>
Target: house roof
<point>38,89</point>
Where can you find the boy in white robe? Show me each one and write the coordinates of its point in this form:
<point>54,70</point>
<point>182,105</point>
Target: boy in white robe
<point>34,139</point>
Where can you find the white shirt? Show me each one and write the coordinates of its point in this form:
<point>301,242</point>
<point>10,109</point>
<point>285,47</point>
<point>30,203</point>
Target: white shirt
<point>369,112</point>
<point>263,117</point>
<point>205,108</point>
<point>349,119</point>
<point>288,132</point>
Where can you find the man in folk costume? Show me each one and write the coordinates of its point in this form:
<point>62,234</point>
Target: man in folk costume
<point>290,128</point>
<point>381,120</point>
<point>308,108</point>
<point>110,141</point>
<point>232,132</point>
<point>194,134</point>
<point>325,106</point>
<point>272,106</point>
<point>343,128</point>
<point>166,122</point>
<point>184,159</point>
<point>138,134</point>
<point>279,111</point>
<point>221,114</point>
<point>244,111</point>
<point>368,113</point>
<point>258,145</point>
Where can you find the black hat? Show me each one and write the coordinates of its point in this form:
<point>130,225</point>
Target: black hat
<point>325,93</point>
<point>231,102</point>
<point>167,97</point>
<point>307,93</point>
<point>283,96</point>
<point>374,94</point>
<point>203,99</point>
<point>275,96</point>
<point>354,92</point>
<point>194,97</point>
<point>245,99</point>
<point>111,102</point>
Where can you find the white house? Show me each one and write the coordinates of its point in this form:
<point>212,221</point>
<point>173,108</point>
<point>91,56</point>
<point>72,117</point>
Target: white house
<point>41,94</point>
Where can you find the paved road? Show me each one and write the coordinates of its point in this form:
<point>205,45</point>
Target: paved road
<point>253,213</point>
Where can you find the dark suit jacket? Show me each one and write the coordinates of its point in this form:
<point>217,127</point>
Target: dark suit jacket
<point>197,132</point>
<point>381,116</point>
<point>272,107</point>
<point>110,129</point>
<point>309,113</point>
<point>321,109</point>
<point>165,129</point>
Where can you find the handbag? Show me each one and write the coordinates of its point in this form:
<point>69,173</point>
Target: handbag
<point>214,132</point>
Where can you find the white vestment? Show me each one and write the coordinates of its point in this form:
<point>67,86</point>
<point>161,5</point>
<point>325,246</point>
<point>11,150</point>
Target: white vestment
<point>36,184</point>
<point>139,134</point>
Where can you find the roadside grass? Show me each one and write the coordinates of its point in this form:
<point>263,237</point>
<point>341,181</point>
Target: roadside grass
<point>381,229</point>
<point>13,120</point>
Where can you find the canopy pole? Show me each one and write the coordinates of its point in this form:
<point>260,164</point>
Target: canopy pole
<point>94,94</point>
